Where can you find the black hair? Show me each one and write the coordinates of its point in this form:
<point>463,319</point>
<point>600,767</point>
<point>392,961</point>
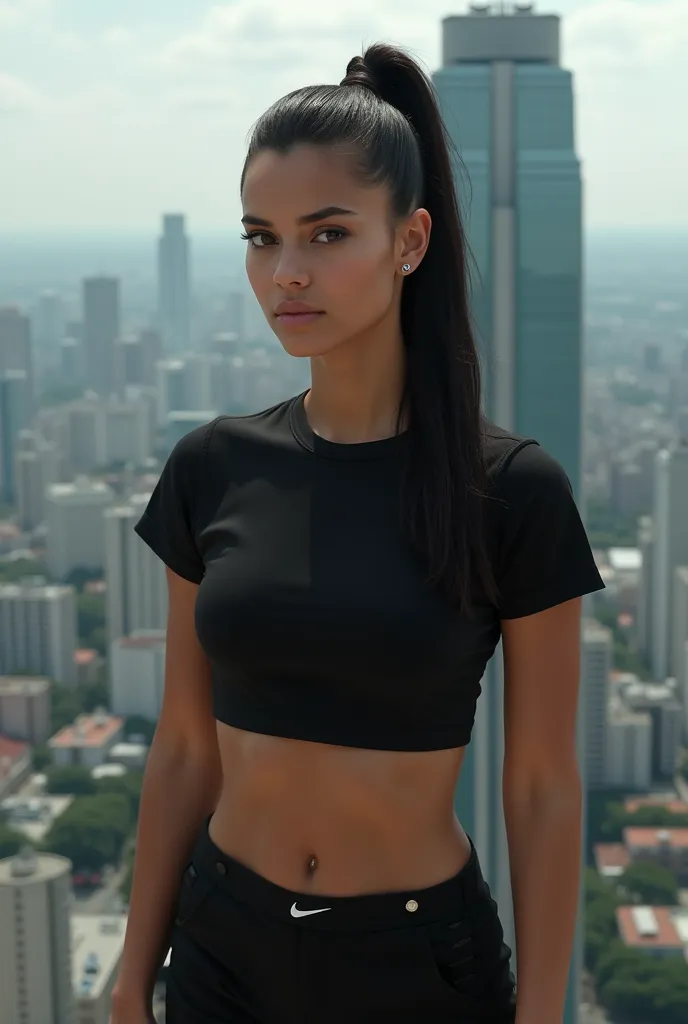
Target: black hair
<point>386,110</point>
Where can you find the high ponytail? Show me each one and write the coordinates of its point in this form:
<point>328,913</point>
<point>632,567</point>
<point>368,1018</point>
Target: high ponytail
<point>386,108</point>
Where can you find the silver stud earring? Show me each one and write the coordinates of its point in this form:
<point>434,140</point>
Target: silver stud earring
<point>406,267</point>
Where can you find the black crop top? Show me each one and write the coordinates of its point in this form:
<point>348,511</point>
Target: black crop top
<point>311,608</point>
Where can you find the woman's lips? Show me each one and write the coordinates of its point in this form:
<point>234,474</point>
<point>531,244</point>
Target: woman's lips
<point>299,319</point>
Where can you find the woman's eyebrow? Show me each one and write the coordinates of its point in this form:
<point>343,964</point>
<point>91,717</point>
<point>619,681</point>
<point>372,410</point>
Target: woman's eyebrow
<point>307,218</point>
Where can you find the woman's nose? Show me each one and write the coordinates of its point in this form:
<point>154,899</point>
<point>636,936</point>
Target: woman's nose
<point>290,271</point>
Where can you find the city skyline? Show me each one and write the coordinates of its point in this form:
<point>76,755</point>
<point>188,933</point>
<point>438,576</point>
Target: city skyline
<point>110,116</point>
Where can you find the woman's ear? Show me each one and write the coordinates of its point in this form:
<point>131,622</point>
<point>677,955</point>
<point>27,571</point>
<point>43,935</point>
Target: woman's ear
<point>414,238</point>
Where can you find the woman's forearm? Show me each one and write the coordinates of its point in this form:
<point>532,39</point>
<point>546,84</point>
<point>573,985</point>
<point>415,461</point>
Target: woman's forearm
<point>544,837</point>
<point>179,791</point>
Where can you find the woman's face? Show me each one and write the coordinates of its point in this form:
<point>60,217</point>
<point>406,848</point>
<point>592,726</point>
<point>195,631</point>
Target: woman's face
<point>323,258</point>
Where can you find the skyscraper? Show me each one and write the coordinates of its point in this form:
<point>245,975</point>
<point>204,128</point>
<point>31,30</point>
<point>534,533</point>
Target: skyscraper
<point>508,107</point>
<point>101,302</point>
<point>15,344</point>
<point>173,284</point>
<point>14,417</point>
<point>669,551</point>
<point>136,596</point>
<point>38,630</point>
<point>598,645</point>
<point>35,948</point>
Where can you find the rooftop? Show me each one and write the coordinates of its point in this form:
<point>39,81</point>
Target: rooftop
<point>85,655</point>
<point>634,803</point>
<point>35,587</point>
<point>655,838</point>
<point>97,941</point>
<point>648,927</point>
<point>13,749</point>
<point>625,559</point>
<point>154,638</point>
<point>611,859</point>
<point>28,867</point>
<point>88,731</point>
<point>23,686</point>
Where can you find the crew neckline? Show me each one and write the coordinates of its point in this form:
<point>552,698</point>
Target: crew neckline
<point>301,429</point>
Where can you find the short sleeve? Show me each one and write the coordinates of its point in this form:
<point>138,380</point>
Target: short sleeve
<point>544,556</point>
<point>166,525</point>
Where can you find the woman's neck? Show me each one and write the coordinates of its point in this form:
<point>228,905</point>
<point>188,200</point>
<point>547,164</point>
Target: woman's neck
<point>356,390</point>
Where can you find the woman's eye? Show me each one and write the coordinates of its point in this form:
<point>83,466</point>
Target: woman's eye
<point>334,233</point>
<point>258,239</point>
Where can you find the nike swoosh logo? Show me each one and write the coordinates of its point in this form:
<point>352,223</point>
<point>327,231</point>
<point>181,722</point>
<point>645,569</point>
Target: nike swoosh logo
<point>305,913</point>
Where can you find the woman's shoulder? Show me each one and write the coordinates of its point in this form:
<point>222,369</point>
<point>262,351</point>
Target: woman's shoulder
<point>215,434</point>
<point>517,464</point>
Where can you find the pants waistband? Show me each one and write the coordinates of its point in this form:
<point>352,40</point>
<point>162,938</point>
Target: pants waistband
<point>449,898</point>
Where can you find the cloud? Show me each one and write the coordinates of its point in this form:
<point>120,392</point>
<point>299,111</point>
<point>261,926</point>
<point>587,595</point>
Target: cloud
<point>631,95</point>
<point>16,12</point>
<point>217,100</point>
<point>118,37</point>
<point>614,37</point>
<point>182,92</point>
<point>16,96</point>
<point>275,39</point>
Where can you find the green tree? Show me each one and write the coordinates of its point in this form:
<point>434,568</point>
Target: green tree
<point>618,818</point>
<point>66,705</point>
<point>671,998</point>
<point>635,987</point>
<point>599,807</point>
<point>41,757</point>
<point>96,640</point>
<point>595,886</point>
<point>93,831</point>
<point>600,927</point>
<point>617,956</point>
<point>10,841</point>
<point>128,786</point>
<point>12,572</point>
<point>80,576</point>
<point>94,695</point>
<point>91,614</point>
<point>70,779</point>
<point>650,883</point>
<point>137,726</point>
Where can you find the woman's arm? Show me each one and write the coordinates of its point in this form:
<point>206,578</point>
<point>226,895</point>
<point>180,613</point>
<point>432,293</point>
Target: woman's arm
<point>180,789</point>
<point>542,801</point>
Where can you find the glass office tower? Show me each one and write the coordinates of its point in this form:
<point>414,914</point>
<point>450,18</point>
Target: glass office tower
<point>508,105</point>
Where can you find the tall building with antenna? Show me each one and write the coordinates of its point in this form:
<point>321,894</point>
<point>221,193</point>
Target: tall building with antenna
<point>509,108</point>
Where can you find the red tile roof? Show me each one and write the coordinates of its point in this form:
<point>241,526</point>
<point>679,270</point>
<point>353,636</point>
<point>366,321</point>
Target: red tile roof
<point>634,803</point>
<point>14,749</point>
<point>88,732</point>
<point>652,838</point>
<point>666,933</point>
<point>85,655</point>
<point>609,856</point>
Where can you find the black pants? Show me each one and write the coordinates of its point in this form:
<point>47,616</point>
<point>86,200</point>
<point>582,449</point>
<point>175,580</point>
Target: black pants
<point>247,951</point>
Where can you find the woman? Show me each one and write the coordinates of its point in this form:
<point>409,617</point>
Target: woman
<point>340,569</point>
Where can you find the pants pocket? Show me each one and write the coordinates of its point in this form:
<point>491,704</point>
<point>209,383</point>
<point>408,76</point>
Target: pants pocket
<point>193,891</point>
<point>472,962</point>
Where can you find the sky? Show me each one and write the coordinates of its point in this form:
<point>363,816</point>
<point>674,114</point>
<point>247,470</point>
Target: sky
<point>112,111</point>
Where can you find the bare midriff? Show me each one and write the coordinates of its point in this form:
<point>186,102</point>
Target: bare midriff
<point>338,821</point>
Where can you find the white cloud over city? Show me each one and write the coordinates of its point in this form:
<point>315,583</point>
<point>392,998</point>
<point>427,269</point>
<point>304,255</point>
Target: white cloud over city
<point>113,111</point>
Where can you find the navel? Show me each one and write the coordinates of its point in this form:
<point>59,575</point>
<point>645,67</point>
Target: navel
<point>312,864</point>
